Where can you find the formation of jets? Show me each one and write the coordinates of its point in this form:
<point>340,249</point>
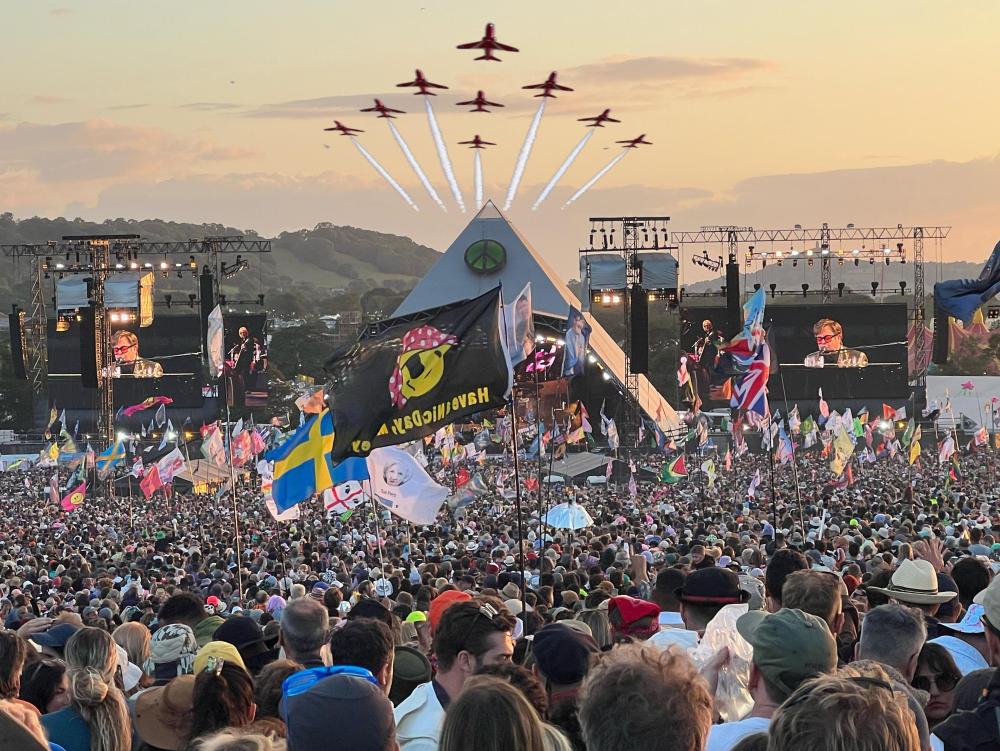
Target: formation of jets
<point>489,44</point>
<point>477,143</point>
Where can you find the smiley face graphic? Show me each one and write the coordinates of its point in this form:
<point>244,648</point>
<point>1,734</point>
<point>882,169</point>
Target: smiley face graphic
<point>420,364</point>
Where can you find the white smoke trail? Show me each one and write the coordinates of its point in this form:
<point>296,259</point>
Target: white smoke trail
<point>522,158</point>
<point>385,175</point>
<point>477,178</point>
<point>600,173</point>
<point>416,166</point>
<point>442,150</point>
<point>562,170</point>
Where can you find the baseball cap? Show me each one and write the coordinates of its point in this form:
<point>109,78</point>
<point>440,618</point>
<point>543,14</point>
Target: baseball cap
<point>332,708</point>
<point>788,646</point>
<point>220,650</point>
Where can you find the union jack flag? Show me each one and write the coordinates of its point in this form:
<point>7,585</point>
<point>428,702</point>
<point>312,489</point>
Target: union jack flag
<point>750,392</point>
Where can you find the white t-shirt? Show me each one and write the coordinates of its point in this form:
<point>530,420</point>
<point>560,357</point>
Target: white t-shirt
<point>723,737</point>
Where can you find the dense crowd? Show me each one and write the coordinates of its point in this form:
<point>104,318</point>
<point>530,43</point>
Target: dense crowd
<point>688,616</point>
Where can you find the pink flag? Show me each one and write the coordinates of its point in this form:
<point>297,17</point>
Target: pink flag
<point>74,498</point>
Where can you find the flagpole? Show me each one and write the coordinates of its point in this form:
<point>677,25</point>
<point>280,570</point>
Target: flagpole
<point>378,535</point>
<point>538,420</point>
<point>517,470</point>
<point>232,491</point>
<point>795,469</point>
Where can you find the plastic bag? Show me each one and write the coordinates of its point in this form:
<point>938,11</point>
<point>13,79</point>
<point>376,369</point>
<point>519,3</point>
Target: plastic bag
<point>732,697</point>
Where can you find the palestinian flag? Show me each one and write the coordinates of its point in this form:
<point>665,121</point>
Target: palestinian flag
<point>674,471</point>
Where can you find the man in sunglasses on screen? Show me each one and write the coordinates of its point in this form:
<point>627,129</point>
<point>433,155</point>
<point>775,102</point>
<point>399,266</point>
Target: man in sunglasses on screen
<point>830,341</point>
<point>125,349</point>
<point>470,635</point>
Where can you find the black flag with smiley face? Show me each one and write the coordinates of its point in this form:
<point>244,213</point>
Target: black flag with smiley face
<point>418,375</point>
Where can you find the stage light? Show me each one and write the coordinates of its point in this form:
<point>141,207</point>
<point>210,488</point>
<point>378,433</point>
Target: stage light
<point>805,289</point>
<point>615,299</point>
<point>169,298</point>
<point>773,287</point>
<point>856,251</point>
<point>119,266</point>
<point>756,287</point>
<point>171,435</point>
<point>191,298</point>
<point>133,265</point>
<point>192,263</point>
<point>147,265</point>
<point>260,299</point>
<point>902,286</point>
<point>164,265</point>
<point>651,297</point>
<point>591,359</point>
<point>121,435</point>
<point>606,299</point>
<point>809,253</point>
<point>840,289</point>
<point>855,261</point>
<point>794,252</point>
<point>874,288</point>
<point>60,265</point>
<point>605,376</point>
<point>884,425</point>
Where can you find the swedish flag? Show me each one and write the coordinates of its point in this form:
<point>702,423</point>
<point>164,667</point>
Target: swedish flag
<point>108,458</point>
<point>302,464</point>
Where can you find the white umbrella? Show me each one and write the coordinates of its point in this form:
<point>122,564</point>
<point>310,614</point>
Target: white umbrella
<point>568,516</point>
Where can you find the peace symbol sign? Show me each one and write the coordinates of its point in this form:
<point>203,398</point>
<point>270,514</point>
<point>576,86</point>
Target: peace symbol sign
<point>485,256</point>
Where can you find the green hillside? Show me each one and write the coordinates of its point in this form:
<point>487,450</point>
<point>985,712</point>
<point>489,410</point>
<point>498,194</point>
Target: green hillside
<point>325,269</point>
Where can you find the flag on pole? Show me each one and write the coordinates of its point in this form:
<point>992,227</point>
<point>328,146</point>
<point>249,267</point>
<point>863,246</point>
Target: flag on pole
<point>108,458</point>
<point>674,471</point>
<point>914,451</point>
<point>171,465</point>
<point>824,408</point>
<point>960,298</point>
<point>216,340</point>
<point>401,485</point>
<point>53,489</point>
<point>754,484</point>
<point>302,466</point>
<point>74,498</point>
<point>946,449</point>
<point>151,482</point>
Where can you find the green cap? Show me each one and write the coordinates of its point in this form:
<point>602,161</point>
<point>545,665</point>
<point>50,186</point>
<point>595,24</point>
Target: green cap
<point>788,646</point>
<point>416,616</point>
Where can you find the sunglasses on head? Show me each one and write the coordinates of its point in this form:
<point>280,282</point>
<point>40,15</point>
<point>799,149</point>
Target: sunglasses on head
<point>300,682</point>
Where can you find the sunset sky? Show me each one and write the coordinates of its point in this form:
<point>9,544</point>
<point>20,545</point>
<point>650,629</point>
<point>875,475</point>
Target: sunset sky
<point>763,114</point>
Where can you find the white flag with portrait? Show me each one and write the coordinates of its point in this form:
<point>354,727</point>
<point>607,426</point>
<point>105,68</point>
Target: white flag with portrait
<point>401,485</point>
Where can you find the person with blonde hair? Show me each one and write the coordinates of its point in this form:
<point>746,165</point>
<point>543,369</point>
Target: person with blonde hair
<point>641,697</point>
<point>600,627</point>
<point>492,715</point>
<point>97,717</point>
<point>836,713</point>
<point>135,639</point>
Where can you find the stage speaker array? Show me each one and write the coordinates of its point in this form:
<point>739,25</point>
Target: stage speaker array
<point>18,344</point>
<point>939,355</point>
<point>639,334</point>
<point>207,289</point>
<point>89,349</point>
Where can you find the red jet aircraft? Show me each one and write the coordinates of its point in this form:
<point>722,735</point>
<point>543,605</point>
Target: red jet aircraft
<point>489,43</point>
<point>598,122</point>
<point>633,143</point>
<point>344,130</point>
<point>383,110</point>
<point>477,143</point>
<point>423,84</point>
<point>548,85</point>
<point>480,102</point>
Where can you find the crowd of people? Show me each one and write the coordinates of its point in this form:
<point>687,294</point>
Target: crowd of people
<point>688,616</point>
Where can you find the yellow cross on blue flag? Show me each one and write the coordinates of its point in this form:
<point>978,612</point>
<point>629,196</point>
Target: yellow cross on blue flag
<point>108,458</point>
<point>302,464</point>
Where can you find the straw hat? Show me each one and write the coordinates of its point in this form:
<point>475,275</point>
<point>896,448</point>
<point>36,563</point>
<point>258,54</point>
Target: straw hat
<point>915,582</point>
